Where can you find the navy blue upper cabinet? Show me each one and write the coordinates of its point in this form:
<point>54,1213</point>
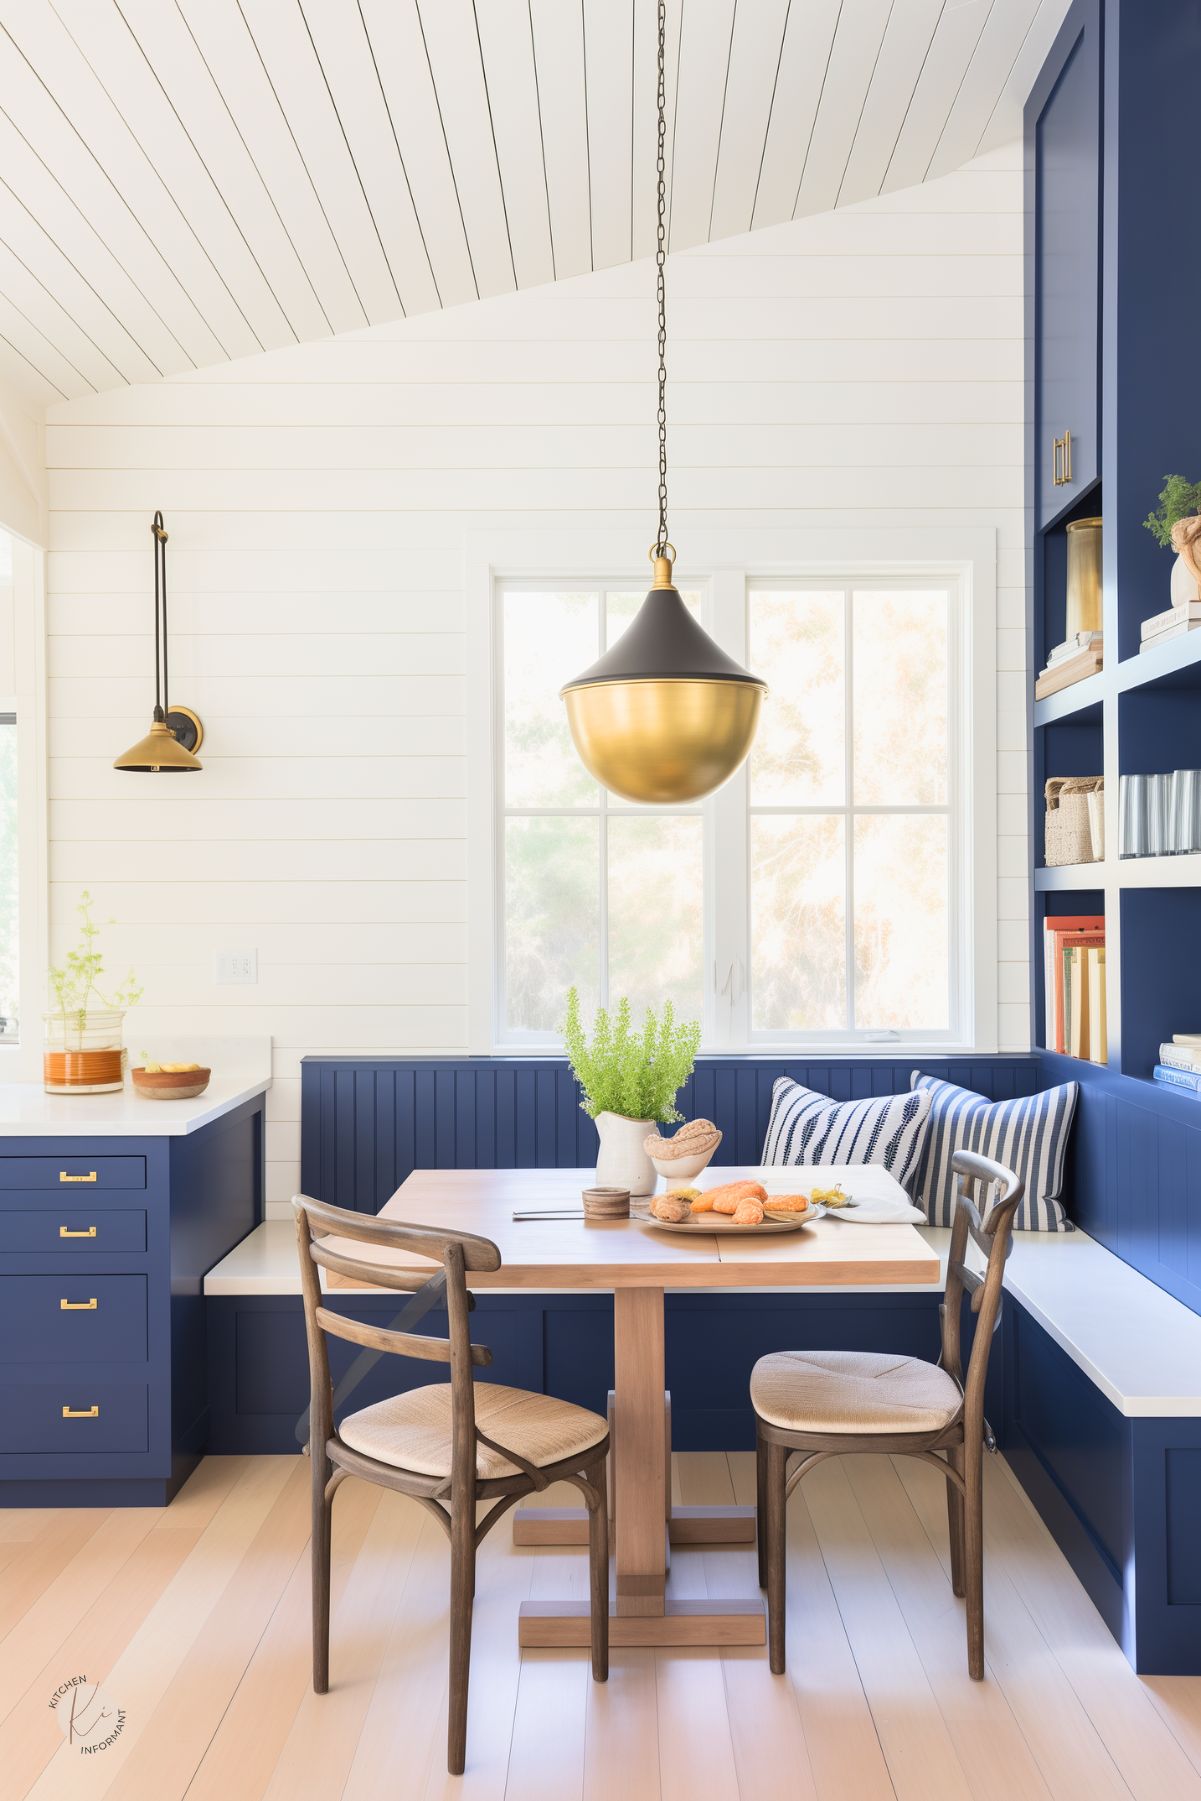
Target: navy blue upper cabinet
<point>1063,153</point>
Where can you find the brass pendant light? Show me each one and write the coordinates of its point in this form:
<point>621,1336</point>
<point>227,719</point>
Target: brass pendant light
<point>175,732</point>
<point>664,716</point>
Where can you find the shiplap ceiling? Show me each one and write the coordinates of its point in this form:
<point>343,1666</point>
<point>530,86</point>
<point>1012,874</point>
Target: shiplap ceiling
<point>183,182</point>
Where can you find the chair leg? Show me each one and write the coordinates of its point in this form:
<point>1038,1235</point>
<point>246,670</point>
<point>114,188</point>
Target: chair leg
<point>973,1558</point>
<point>598,1567</point>
<point>955,1520</point>
<point>761,1507</point>
<point>462,1592</point>
<point>321,1532</point>
<point>774,1477</point>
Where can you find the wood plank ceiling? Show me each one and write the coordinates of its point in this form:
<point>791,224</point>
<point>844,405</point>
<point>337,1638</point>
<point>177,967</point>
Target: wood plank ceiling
<point>183,182</point>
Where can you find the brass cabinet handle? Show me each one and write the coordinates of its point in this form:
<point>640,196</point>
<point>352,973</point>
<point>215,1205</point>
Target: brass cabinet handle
<point>78,1306</point>
<point>1056,474</point>
<point>65,1176</point>
<point>81,1413</point>
<point>83,1232</point>
<point>1067,456</point>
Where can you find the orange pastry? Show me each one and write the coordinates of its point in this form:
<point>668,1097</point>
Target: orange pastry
<point>724,1200</point>
<point>749,1212</point>
<point>669,1207</point>
<point>787,1203</point>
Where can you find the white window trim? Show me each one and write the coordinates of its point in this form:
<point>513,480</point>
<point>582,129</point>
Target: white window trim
<point>22,1062</point>
<point>723,561</point>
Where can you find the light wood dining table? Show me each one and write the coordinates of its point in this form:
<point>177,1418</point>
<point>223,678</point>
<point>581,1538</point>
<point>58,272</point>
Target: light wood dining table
<point>639,1265</point>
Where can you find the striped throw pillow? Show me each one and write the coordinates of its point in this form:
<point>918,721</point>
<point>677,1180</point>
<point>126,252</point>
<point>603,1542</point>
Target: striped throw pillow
<point>1029,1135</point>
<point>807,1127</point>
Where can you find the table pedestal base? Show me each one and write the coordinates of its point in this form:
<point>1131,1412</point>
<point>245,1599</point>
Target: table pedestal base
<point>685,1526</point>
<point>566,1623</point>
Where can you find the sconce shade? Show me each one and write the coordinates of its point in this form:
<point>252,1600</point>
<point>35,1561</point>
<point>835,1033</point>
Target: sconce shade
<point>158,752</point>
<point>665,716</point>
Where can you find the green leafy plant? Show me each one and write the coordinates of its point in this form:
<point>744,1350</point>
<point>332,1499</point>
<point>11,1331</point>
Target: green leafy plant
<point>624,1070</point>
<point>73,983</point>
<point>1179,499</point>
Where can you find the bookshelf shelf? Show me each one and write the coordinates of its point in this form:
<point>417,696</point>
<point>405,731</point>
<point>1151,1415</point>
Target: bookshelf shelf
<point>1176,664</point>
<point>1071,877</point>
<point>1159,872</point>
<point>1081,702</point>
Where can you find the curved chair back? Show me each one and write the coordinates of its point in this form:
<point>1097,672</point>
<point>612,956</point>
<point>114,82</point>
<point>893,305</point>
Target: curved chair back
<point>991,1231</point>
<point>455,1253</point>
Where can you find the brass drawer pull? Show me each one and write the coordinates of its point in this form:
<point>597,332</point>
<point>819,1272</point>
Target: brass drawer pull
<point>1067,456</point>
<point>81,1413</point>
<point>78,1306</point>
<point>65,1176</point>
<point>83,1232</point>
<point>1061,460</point>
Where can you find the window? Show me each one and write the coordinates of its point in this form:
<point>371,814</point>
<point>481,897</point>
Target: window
<point>823,896</point>
<point>9,935</point>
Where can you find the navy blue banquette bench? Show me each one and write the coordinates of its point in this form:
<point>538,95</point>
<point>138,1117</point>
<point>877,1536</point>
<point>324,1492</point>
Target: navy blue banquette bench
<point>1111,1460</point>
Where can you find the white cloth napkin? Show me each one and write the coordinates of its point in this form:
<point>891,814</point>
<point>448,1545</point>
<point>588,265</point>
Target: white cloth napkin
<point>875,1209</point>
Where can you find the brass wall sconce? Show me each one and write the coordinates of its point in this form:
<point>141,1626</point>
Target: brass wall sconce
<point>176,732</point>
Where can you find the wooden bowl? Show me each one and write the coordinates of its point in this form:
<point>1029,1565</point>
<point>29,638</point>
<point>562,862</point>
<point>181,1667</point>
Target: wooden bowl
<point>170,1084</point>
<point>606,1203</point>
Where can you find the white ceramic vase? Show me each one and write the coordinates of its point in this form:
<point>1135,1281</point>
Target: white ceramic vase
<point>622,1161</point>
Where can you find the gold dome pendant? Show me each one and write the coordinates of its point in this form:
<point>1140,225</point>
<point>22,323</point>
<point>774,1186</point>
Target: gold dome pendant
<point>665,716</point>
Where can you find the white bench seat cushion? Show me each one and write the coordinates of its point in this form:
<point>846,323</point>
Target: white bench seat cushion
<point>853,1392</point>
<point>413,1431</point>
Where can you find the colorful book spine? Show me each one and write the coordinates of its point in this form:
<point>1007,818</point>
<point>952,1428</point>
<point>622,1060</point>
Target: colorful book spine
<point>1188,1079</point>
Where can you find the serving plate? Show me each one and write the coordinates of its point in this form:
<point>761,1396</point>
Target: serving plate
<point>719,1225</point>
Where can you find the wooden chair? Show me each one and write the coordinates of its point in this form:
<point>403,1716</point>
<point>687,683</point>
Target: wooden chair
<point>430,1443</point>
<point>829,1404</point>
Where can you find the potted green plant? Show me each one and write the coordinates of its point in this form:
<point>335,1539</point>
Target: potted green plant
<point>1176,524</point>
<point>630,1080</point>
<point>82,1048</point>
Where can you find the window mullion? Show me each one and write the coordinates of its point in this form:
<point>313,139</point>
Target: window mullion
<point>849,796</point>
<point>727,861</point>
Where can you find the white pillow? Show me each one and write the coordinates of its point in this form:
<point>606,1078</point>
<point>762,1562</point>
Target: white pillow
<point>1028,1135</point>
<point>810,1128</point>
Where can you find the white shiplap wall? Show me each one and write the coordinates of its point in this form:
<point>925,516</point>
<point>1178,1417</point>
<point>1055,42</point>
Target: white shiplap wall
<point>318,500</point>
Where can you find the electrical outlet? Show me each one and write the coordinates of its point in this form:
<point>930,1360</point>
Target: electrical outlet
<point>237,966</point>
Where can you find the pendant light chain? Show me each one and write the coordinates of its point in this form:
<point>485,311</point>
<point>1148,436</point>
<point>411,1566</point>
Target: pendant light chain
<point>660,282</point>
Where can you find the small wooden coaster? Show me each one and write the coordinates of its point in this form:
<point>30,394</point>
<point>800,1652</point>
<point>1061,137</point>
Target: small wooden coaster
<point>606,1203</point>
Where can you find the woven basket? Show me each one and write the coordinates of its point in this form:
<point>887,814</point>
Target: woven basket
<point>1068,835</point>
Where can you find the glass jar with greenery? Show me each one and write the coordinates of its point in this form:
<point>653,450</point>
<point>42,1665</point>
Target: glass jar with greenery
<point>82,1045</point>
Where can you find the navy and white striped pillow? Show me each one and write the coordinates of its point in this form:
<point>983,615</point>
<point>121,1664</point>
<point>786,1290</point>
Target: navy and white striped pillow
<point>807,1127</point>
<point>1028,1135</point>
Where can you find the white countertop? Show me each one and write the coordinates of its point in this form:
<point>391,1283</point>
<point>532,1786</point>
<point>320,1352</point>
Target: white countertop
<point>1140,1346</point>
<point>241,1070</point>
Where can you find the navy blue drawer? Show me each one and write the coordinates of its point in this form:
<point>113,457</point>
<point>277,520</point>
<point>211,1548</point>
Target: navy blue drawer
<point>67,1319</point>
<point>52,1230</point>
<point>100,1416</point>
<point>70,1175</point>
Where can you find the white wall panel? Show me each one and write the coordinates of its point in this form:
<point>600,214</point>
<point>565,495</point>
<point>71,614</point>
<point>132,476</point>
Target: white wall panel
<point>320,500</point>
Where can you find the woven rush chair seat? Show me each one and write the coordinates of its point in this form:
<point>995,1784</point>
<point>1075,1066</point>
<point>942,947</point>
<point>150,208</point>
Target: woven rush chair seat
<point>415,1431</point>
<point>853,1391</point>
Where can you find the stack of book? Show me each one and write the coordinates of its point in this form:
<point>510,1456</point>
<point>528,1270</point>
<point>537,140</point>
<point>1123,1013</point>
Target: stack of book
<point>1172,624</point>
<point>1179,1063</point>
<point>1074,979</point>
<point>1079,656</point>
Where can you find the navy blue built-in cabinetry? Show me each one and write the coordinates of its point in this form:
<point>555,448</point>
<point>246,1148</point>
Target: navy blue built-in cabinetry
<point>1065,129</point>
<point>104,1245</point>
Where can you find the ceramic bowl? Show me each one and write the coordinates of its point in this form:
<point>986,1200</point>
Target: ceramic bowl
<point>170,1084</point>
<point>682,1169</point>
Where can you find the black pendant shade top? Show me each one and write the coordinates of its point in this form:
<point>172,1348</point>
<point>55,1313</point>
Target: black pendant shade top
<point>664,643</point>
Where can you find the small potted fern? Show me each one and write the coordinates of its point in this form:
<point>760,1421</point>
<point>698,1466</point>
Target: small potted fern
<point>1176,524</point>
<point>630,1080</point>
<point>82,1048</point>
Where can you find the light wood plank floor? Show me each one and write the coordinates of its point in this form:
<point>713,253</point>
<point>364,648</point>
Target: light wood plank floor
<point>195,1622</point>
